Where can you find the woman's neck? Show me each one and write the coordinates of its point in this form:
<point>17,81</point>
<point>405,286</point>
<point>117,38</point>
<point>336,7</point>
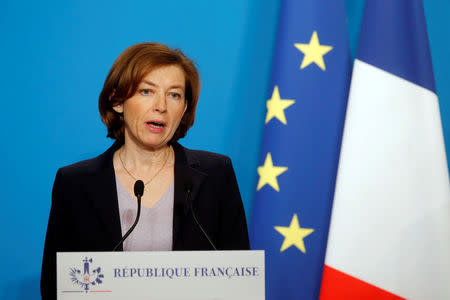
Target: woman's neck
<point>142,161</point>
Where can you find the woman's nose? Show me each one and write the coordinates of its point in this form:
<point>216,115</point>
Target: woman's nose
<point>160,103</point>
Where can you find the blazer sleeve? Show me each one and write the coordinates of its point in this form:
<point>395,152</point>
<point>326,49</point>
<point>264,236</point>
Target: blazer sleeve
<point>56,238</point>
<point>233,230</point>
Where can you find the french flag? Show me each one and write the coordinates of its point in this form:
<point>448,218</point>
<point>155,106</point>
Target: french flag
<point>390,227</point>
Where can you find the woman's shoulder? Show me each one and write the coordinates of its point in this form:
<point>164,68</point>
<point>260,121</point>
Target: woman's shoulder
<point>81,167</point>
<point>206,159</point>
<point>91,165</point>
<point>207,156</point>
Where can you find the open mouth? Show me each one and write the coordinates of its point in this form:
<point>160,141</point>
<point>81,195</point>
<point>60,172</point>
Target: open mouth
<point>156,124</point>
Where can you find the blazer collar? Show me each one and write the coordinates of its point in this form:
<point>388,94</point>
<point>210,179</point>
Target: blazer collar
<point>186,170</point>
<point>105,192</point>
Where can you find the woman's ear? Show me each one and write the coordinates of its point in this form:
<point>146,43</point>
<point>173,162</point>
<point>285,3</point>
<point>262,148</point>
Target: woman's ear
<point>118,107</point>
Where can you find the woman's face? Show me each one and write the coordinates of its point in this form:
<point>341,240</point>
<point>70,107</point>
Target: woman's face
<point>153,113</point>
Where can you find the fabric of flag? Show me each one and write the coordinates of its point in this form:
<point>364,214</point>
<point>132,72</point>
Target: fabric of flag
<point>390,227</point>
<point>300,148</point>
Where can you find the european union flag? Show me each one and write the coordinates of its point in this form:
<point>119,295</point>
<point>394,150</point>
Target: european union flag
<point>300,148</point>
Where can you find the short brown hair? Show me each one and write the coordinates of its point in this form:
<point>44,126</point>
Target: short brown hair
<point>127,72</point>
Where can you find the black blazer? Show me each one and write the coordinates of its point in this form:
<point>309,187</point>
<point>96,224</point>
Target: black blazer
<point>84,214</point>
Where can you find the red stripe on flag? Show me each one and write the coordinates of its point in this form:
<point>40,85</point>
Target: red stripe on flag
<point>338,285</point>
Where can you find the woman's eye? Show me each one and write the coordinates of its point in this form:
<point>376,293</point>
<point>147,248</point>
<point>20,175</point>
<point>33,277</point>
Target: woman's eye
<point>175,95</point>
<point>145,92</point>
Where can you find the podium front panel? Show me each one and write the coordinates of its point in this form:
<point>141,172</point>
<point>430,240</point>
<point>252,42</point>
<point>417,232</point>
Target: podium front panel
<point>177,275</point>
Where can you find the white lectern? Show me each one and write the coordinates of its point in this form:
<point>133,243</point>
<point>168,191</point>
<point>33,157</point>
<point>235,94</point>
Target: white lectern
<point>176,275</point>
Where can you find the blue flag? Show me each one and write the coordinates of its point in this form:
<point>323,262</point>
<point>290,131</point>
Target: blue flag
<point>300,148</point>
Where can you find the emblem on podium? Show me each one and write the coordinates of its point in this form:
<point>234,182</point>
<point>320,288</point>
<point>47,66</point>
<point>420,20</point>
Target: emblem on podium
<point>87,276</point>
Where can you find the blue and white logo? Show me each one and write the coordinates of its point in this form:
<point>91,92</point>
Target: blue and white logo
<point>86,277</point>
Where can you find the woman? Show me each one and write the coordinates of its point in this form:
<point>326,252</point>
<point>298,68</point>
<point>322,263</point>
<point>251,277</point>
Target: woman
<point>148,102</point>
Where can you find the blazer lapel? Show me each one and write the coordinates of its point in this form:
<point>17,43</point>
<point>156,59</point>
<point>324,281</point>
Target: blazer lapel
<point>185,171</point>
<point>104,194</point>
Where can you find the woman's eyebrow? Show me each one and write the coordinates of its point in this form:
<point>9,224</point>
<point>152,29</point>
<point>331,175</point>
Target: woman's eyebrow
<point>149,82</point>
<point>175,86</point>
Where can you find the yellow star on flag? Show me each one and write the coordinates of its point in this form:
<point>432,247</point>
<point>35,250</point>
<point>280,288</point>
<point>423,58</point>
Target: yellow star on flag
<point>313,52</point>
<point>268,174</point>
<point>294,235</point>
<point>276,106</point>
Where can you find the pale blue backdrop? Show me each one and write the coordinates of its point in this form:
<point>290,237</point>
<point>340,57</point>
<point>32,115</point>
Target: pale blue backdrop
<point>56,54</point>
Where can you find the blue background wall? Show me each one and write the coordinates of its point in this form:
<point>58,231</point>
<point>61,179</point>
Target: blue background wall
<point>56,54</point>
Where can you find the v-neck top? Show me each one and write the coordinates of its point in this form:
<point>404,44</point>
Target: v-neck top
<point>153,232</point>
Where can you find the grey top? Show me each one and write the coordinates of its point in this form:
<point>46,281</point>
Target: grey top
<point>154,229</point>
